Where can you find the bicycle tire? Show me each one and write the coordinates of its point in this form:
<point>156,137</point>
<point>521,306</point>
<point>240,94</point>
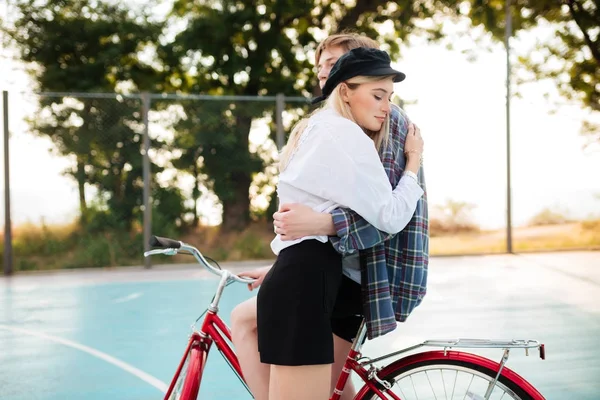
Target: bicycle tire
<point>509,381</point>
<point>187,386</point>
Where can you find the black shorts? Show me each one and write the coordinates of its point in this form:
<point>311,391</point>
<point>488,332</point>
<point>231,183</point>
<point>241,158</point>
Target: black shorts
<point>295,304</point>
<point>347,312</point>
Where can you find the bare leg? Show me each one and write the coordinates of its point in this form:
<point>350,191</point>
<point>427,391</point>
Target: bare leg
<point>341,349</point>
<point>245,339</point>
<point>299,382</point>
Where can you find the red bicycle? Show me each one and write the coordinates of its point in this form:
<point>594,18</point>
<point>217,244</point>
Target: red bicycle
<point>435,374</point>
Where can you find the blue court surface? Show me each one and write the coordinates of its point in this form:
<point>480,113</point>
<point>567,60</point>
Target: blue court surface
<point>119,333</point>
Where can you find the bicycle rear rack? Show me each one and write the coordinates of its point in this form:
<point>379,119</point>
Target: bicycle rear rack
<point>470,344</point>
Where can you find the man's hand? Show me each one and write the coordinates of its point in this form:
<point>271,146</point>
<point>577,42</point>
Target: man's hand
<point>258,274</point>
<point>294,221</point>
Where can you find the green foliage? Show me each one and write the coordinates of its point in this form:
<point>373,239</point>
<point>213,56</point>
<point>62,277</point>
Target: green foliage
<point>41,241</point>
<point>89,46</point>
<point>251,246</point>
<point>214,149</point>
<point>168,209</point>
<point>571,58</point>
<point>232,47</point>
<point>240,47</point>
<point>84,45</point>
<point>26,265</point>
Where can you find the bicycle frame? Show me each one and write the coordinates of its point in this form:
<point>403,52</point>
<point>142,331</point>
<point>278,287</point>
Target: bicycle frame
<point>215,331</point>
<point>369,377</point>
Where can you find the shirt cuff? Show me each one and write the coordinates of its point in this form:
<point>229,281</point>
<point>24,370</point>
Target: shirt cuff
<point>409,188</point>
<point>412,175</point>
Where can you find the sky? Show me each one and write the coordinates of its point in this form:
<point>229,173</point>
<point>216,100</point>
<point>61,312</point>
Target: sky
<point>459,106</point>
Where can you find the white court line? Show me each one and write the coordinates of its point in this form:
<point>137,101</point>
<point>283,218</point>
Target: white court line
<point>160,385</point>
<point>130,297</point>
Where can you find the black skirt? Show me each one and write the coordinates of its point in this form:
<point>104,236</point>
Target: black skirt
<point>295,304</point>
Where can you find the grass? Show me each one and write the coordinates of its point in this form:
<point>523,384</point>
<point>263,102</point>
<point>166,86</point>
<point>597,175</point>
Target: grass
<point>568,236</point>
<point>251,244</point>
<point>65,246</point>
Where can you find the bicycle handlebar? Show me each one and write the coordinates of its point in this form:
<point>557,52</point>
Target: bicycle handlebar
<point>171,247</point>
<point>165,243</point>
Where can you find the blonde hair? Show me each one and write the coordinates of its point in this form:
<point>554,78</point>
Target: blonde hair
<point>346,41</point>
<point>335,101</point>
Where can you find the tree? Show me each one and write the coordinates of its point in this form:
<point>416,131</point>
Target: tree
<point>90,46</point>
<point>571,59</point>
<point>245,48</point>
<point>208,140</point>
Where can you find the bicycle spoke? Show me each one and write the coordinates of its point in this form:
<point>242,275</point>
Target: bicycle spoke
<point>454,386</point>
<point>402,393</point>
<point>415,389</point>
<point>444,384</point>
<point>430,385</point>
<point>468,389</point>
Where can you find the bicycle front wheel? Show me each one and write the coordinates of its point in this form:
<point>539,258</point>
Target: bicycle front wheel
<point>454,375</point>
<point>187,385</point>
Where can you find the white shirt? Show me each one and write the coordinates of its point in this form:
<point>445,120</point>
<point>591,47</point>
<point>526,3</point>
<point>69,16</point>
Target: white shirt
<point>336,165</point>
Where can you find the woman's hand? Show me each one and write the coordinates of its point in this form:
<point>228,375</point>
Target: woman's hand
<point>258,274</point>
<point>294,221</point>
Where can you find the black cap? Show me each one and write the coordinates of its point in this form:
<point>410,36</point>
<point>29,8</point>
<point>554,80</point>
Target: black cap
<point>361,61</point>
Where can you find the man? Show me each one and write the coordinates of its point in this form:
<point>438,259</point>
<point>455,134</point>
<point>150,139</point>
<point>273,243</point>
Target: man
<point>392,269</point>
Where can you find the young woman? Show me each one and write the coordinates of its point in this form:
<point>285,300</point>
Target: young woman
<point>331,160</point>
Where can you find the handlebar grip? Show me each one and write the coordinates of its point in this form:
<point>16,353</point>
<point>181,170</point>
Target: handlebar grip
<point>165,243</point>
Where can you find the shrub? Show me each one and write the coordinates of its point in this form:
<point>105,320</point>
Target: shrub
<point>548,217</point>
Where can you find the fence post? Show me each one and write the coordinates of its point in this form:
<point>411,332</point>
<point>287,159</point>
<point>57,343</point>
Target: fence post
<point>146,168</point>
<point>8,260</point>
<point>280,105</point>
<point>507,35</point>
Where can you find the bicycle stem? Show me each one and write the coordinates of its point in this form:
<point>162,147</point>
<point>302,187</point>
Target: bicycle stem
<point>214,305</point>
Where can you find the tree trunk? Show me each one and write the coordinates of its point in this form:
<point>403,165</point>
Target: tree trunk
<point>196,190</point>
<point>236,207</point>
<point>196,196</point>
<point>236,210</point>
<point>80,173</point>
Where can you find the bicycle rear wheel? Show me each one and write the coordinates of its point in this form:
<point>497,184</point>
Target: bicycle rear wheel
<point>456,375</point>
<point>187,385</point>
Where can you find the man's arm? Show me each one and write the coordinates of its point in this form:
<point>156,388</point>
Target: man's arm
<point>353,232</point>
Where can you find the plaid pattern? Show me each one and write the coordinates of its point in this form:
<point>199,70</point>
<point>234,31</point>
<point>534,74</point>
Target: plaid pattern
<point>394,267</point>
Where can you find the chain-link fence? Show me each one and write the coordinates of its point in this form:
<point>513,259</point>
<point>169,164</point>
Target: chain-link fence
<point>93,175</point>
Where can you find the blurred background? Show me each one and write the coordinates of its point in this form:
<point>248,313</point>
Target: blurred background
<point>127,118</point>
